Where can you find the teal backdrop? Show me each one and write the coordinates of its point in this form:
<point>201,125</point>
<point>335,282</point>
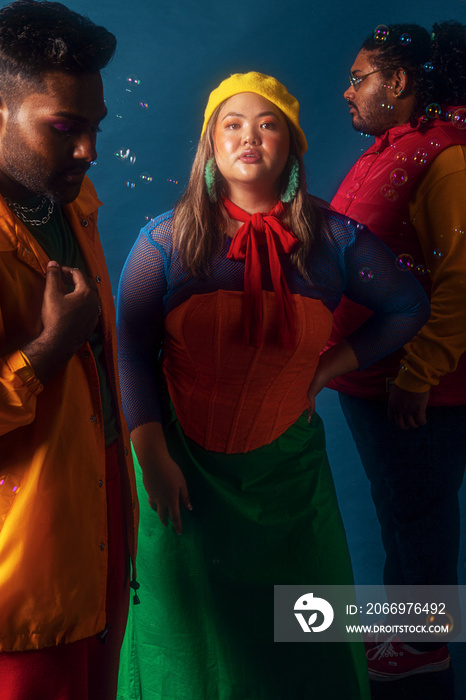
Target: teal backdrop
<point>170,55</point>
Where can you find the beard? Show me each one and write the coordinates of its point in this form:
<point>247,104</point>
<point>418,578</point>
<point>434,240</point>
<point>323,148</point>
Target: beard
<point>32,171</point>
<point>373,119</point>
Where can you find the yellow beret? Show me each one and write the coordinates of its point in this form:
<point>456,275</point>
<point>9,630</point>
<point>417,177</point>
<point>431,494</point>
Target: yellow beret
<point>263,85</point>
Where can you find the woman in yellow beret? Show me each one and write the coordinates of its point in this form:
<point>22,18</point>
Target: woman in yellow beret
<point>225,305</point>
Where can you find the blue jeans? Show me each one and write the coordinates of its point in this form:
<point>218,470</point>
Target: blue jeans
<point>415,477</point>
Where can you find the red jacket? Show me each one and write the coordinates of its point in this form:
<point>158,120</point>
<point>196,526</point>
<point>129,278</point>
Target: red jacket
<point>378,192</point>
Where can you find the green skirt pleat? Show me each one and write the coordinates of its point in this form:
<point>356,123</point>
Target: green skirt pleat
<point>204,628</point>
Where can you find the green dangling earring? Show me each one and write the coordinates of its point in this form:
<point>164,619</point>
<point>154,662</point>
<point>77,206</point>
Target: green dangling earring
<point>209,177</point>
<point>293,180</point>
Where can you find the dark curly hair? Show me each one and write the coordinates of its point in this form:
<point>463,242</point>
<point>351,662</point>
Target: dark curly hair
<point>41,37</point>
<point>436,62</point>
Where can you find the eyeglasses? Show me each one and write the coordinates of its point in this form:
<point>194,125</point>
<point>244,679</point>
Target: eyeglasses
<point>355,80</point>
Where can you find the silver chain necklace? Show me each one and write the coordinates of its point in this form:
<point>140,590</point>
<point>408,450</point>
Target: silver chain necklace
<point>22,211</point>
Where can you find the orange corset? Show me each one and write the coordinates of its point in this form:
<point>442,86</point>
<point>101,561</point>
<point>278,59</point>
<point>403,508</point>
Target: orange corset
<point>229,396</point>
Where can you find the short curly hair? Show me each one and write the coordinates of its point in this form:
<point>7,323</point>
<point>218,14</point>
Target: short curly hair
<point>41,37</point>
<point>436,61</point>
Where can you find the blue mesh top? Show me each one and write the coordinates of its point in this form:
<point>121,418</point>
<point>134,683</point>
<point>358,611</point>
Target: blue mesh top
<point>349,260</point>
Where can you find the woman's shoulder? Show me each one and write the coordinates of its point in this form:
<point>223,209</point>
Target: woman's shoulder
<point>158,231</point>
<point>341,230</point>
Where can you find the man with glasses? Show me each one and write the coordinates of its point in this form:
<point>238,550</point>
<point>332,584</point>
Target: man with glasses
<point>407,412</point>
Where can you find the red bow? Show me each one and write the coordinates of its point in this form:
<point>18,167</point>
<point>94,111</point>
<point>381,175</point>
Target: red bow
<point>257,230</point>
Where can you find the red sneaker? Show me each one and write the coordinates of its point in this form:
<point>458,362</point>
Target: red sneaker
<point>393,660</point>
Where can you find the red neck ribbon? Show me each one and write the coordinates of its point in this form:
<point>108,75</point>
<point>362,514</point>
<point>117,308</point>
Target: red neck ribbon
<point>260,229</point>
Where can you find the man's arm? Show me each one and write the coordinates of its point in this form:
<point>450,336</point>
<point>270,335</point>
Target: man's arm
<point>438,213</point>
<point>68,320</point>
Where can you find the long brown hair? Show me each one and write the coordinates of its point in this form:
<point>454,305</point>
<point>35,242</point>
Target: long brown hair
<point>200,225</point>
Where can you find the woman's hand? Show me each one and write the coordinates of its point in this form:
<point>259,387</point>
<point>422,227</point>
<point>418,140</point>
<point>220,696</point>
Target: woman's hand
<point>162,477</point>
<point>166,488</point>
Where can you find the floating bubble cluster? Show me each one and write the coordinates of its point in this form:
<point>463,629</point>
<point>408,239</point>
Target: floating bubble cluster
<point>405,39</point>
<point>398,177</point>
<point>146,177</point>
<point>419,157</point>
<point>433,110</point>
<point>401,157</point>
<point>405,262</point>
<point>389,192</point>
<point>458,118</point>
<point>366,274</point>
<point>125,156</point>
<point>381,34</point>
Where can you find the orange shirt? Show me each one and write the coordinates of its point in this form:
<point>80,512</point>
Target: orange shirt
<point>438,213</point>
<point>53,510</point>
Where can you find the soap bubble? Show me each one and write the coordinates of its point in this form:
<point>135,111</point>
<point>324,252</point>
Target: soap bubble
<point>133,80</point>
<point>460,231</point>
<point>122,154</point>
<point>398,177</point>
<point>389,193</point>
<point>437,253</point>
<point>130,184</point>
<point>419,157</point>
<point>428,67</point>
<point>169,179</point>
<point>433,110</point>
<point>458,118</point>
<point>366,274</point>
<point>144,105</point>
<point>146,177</point>
<point>381,34</point>
<point>404,262</point>
<point>93,162</point>
<point>424,119</point>
<point>386,106</point>
<point>420,269</point>
<point>401,157</point>
<point>405,39</point>
<point>434,143</point>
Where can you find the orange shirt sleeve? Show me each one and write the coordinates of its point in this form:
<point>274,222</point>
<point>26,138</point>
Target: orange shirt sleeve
<point>19,388</point>
<point>438,213</point>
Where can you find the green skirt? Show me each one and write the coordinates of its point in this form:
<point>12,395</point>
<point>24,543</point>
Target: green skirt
<point>204,628</point>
